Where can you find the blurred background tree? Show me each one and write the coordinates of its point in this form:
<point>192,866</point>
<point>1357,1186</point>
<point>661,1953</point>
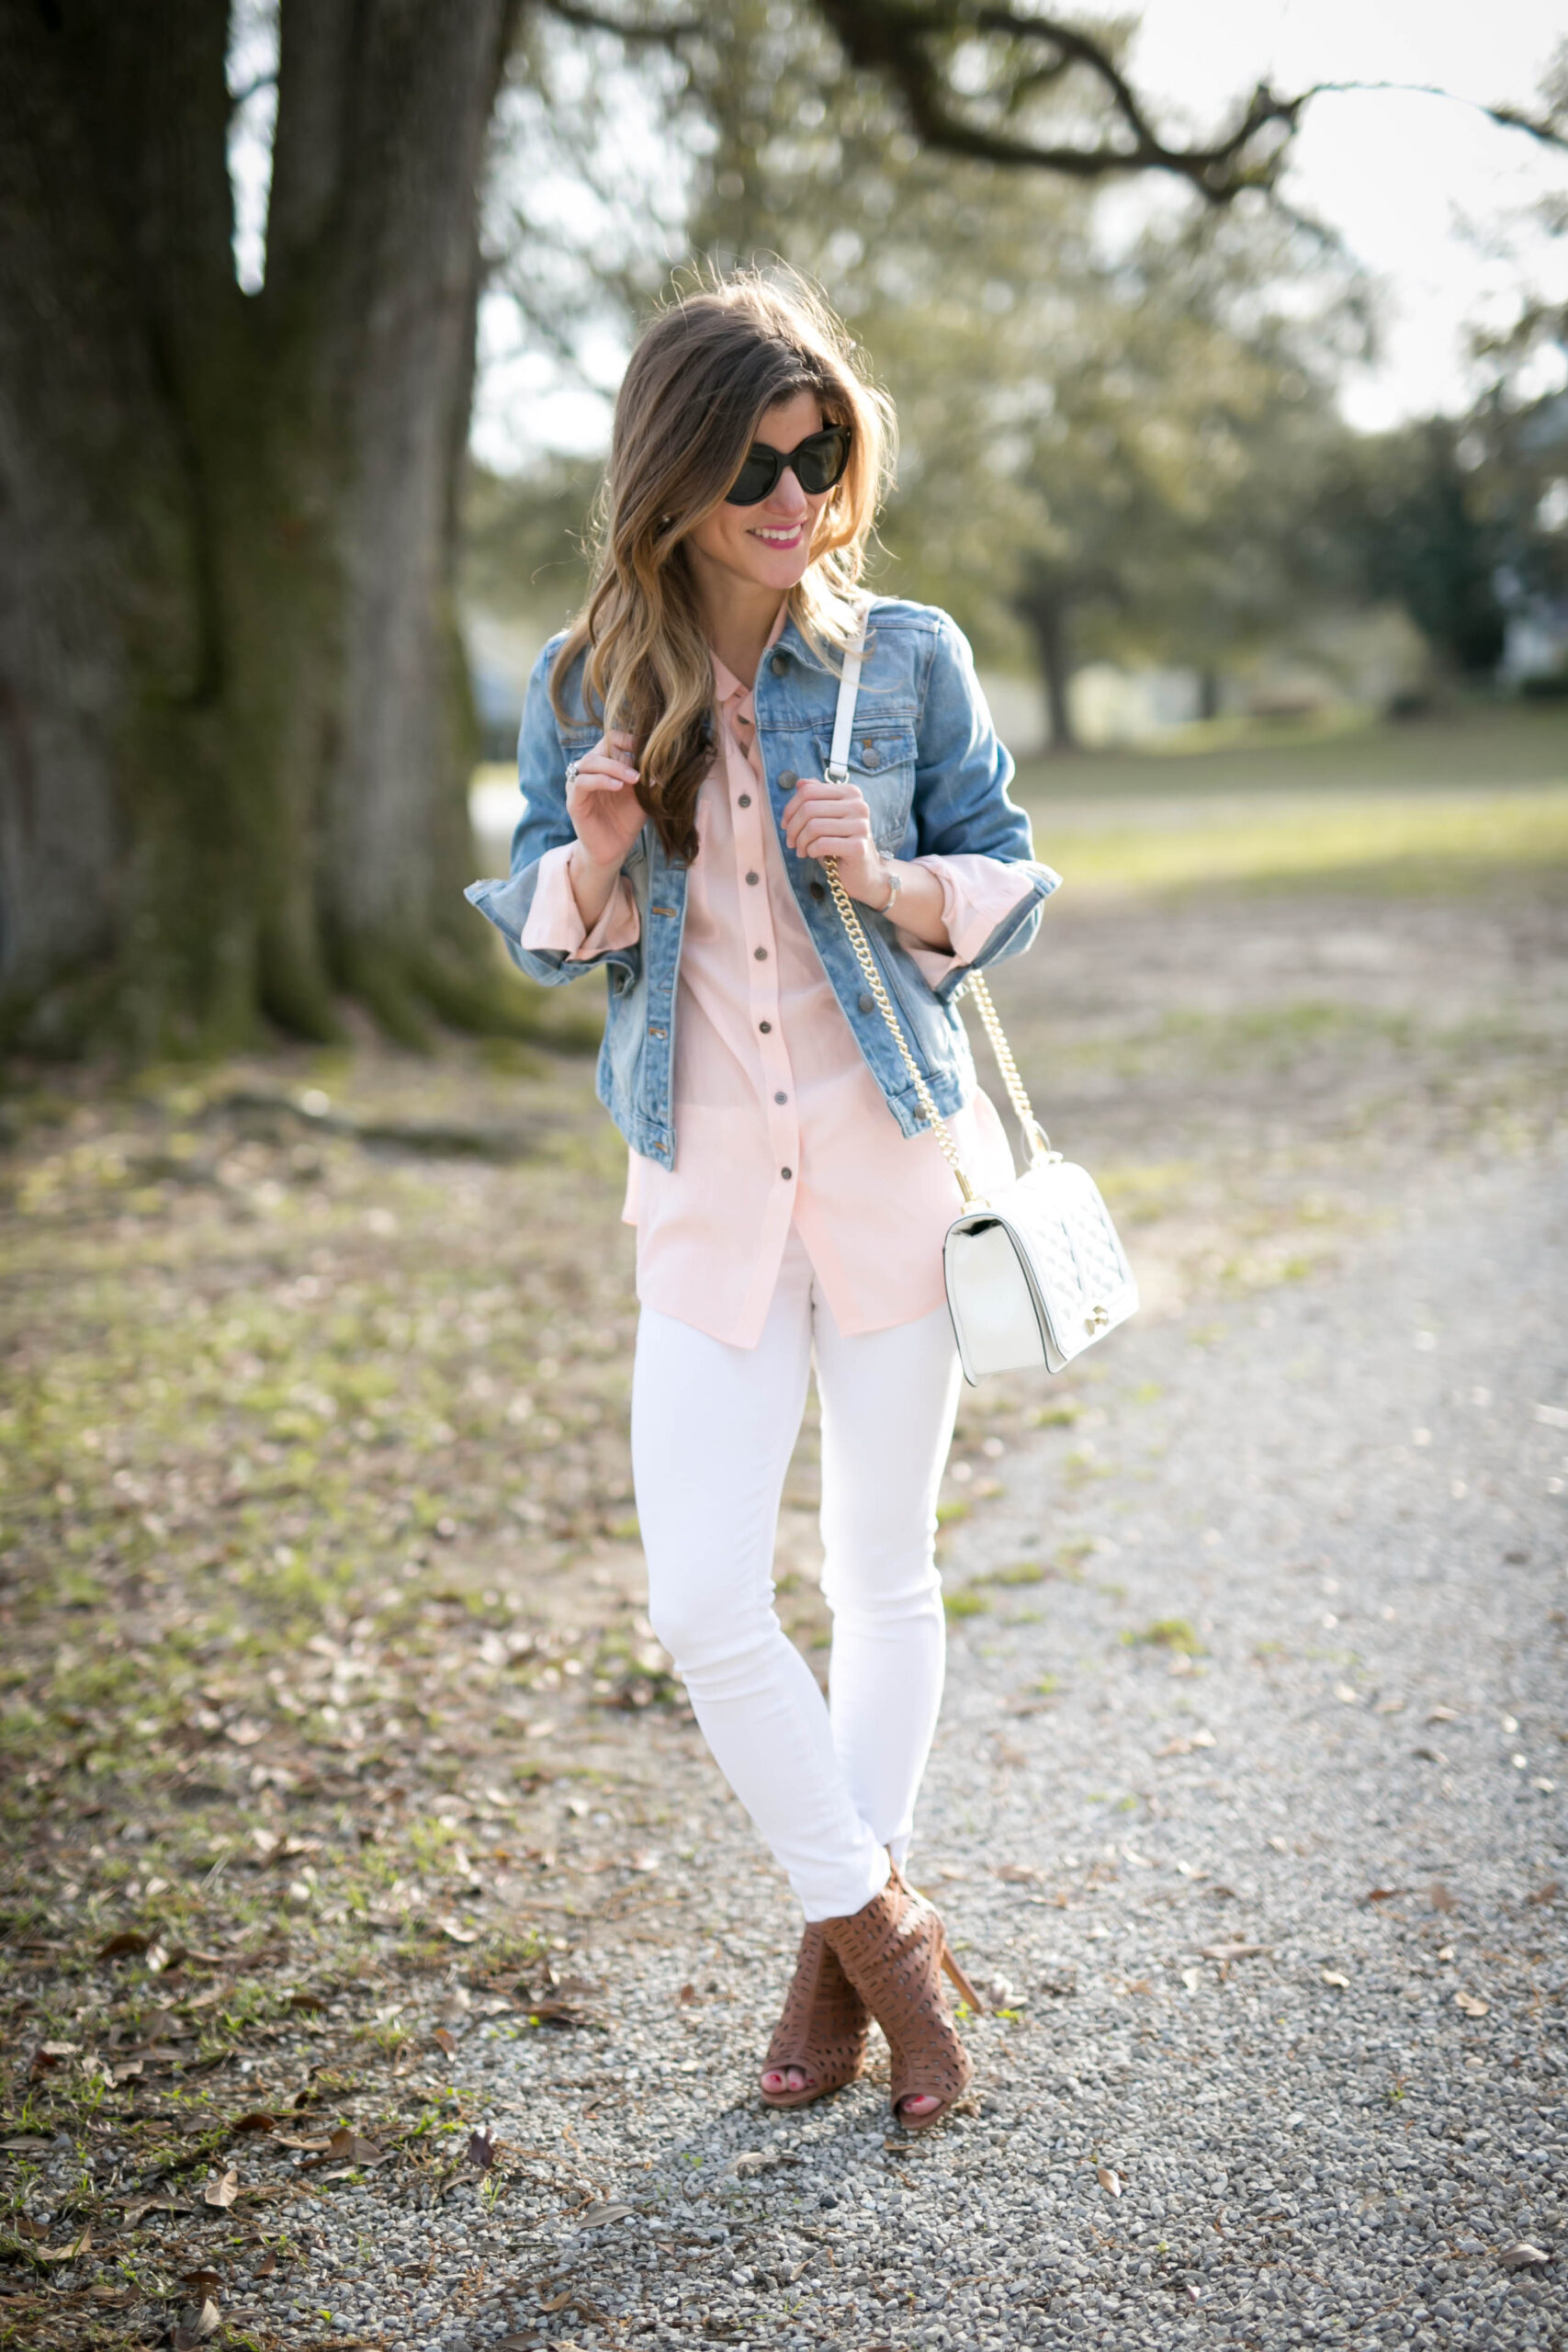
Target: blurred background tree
<point>238,727</point>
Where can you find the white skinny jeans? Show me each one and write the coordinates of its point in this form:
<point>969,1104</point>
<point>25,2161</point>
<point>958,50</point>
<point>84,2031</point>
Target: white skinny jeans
<point>829,1786</point>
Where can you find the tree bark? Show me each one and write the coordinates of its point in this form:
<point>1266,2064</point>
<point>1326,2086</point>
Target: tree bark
<point>1045,608</point>
<point>234,727</point>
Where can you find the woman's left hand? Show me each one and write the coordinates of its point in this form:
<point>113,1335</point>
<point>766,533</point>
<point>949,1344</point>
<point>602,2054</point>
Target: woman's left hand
<point>822,820</point>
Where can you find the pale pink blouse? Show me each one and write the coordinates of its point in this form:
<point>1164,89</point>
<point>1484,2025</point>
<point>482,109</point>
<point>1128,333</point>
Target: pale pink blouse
<point>777,1118</point>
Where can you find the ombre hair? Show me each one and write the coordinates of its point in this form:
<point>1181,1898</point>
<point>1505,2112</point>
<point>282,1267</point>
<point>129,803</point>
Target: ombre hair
<point>703,374</point>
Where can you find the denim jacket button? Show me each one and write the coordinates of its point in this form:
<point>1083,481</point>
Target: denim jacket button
<point>870,756</point>
<point>778,665</point>
<point>817,891</point>
<point>865,1003</point>
<point>788,780</point>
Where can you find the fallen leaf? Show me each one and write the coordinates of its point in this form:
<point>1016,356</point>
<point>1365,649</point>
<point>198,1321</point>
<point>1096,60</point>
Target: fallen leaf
<point>481,2150</point>
<point>1523,2257</point>
<point>1018,1874</point>
<point>223,2192</point>
<point>519,2343</point>
<point>688,1992</point>
<point>1234,1951</point>
<point>643,1861</point>
<point>1443,1715</point>
<point>557,2302</point>
<point>1384,1894</point>
<point>1547,1894</point>
<point>259,2122</point>
<point>1108,2180</point>
<point>59,2049</point>
<point>344,2147</point>
<point>444,2040</point>
<point>1332,1976</point>
<point>194,2326</point>
<point>79,2245</point>
<point>753,2161</point>
<point>450,1925</point>
<point>126,1945</point>
<point>21,2141</point>
<point>593,2217</point>
<point>1471,2004</point>
<point>1440,1899</point>
<point>201,2281</point>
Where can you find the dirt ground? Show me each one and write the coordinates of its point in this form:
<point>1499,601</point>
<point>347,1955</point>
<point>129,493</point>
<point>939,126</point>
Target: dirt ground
<point>330,1707</point>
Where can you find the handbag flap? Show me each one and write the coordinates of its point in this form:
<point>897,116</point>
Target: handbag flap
<point>1070,1248</point>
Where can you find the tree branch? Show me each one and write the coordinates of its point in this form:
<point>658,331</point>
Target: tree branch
<point>902,41</point>
<point>667,29</point>
<point>1549,130</point>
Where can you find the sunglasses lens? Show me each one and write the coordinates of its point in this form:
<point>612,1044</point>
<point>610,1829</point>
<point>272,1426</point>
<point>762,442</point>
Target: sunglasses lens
<point>756,478</point>
<point>820,462</point>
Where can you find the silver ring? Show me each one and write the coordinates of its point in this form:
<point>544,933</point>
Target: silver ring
<point>571,768</point>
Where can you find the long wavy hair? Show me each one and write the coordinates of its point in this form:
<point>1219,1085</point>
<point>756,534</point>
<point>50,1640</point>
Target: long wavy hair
<point>705,372</point>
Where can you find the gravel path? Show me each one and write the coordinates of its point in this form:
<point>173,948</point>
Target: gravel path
<point>1249,1786</point>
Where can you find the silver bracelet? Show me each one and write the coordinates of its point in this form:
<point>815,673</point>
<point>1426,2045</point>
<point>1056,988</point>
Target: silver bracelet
<point>894,884</point>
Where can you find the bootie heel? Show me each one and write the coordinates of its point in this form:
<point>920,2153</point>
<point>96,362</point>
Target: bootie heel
<point>823,2029</point>
<point>893,1953</point>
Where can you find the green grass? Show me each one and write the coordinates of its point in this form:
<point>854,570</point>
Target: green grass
<point>1411,843</point>
<point>1473,747</point>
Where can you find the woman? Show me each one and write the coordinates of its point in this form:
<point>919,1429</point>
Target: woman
<point>787,1197</point>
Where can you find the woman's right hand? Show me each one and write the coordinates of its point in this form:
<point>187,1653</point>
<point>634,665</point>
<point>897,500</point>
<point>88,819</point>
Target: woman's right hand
<point>602,802</point>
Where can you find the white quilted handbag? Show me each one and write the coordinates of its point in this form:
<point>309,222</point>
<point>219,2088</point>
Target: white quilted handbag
<point>1036,1272</point>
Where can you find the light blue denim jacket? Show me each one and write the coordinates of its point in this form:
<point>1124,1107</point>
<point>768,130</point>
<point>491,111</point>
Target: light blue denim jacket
<point>927,759</point>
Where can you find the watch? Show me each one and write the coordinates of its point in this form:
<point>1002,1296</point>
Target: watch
<point>894,884</point>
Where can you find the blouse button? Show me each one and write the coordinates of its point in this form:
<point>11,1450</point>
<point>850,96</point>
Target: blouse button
<point>761,954</point>
<point>745,800</point>
<point>786,1173</point>
<point>753,877</point>
<point>765,1026</point>
<point>781,1098</point>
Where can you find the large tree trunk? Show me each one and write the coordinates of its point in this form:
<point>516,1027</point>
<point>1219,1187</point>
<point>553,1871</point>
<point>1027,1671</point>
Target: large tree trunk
<point>1045,605</point>
<point>234,728</point>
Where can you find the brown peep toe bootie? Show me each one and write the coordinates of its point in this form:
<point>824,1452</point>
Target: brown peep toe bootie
<point>823,2028</point>
<point>893,1953</point>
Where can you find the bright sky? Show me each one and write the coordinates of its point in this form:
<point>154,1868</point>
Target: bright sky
<point>1418,188</point>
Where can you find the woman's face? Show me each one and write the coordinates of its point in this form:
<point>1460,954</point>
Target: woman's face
<point>768,544</point>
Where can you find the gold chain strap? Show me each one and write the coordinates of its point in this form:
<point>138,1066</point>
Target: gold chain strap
<point>1039,1142</point>
<point>858,941</point>
<point>1035,1134</point>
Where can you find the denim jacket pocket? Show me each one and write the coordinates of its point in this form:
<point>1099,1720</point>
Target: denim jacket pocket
<point>882,769</point>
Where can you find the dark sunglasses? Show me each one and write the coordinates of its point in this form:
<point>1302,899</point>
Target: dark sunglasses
<point>818,463</point>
